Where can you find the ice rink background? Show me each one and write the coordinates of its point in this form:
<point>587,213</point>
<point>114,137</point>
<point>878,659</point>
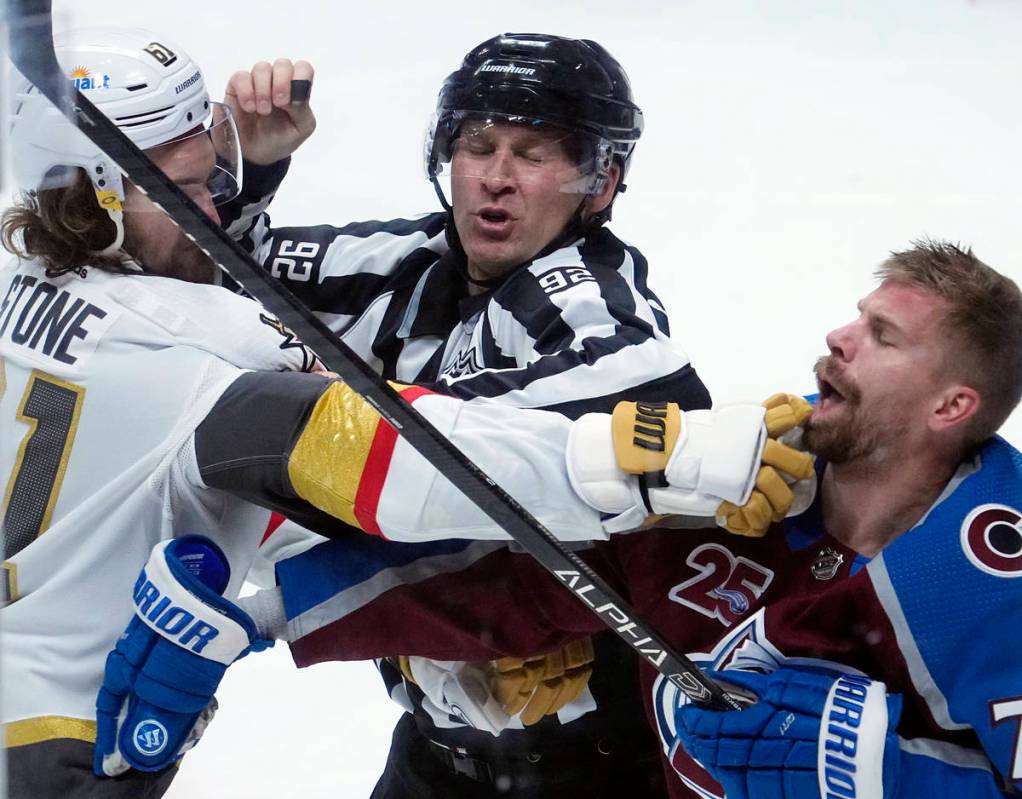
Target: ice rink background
<point>788,147</point>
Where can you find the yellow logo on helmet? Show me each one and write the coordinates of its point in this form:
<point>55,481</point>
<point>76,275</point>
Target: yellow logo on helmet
<point>109,200</point>
<point>84,80</point>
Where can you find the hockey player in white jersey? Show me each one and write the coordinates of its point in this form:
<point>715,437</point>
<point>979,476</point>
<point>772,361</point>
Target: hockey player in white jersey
<point>104,374</point>
<point>126,382</point>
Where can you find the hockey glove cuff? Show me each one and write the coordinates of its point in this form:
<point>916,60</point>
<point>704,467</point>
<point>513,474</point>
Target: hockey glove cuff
<point>459,689</point>
<point>650,458</point>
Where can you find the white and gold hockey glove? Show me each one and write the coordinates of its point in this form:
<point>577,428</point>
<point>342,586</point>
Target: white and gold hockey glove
<point>726,463</point>
<point>785,484</point>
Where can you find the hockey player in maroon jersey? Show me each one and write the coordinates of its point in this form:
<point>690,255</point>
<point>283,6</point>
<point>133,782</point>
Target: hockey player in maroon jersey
<point>889,602</point>
<point>905,570</point>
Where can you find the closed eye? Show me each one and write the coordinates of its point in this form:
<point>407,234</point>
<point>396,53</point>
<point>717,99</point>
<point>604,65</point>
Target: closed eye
<point>476,147</point>
<point>879,331</point>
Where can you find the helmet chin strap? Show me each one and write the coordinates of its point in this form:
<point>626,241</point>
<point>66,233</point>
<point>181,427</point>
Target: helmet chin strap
<point>454,242</point>
<point>115,249</point>
<point>577,226</point>
<point>440,194</point>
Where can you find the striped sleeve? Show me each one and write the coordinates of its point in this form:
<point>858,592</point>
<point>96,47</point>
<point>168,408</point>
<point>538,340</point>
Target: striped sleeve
<point>339,271</point>
<point>260,183</point>
<point>581,335</point>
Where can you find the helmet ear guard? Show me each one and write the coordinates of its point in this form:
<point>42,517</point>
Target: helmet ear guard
<point>109,187</point>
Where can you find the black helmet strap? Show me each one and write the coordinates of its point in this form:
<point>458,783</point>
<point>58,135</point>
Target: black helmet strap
<point>578,226</point>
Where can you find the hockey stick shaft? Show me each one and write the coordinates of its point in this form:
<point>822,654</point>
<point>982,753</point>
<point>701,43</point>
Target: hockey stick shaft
<point>32,50</point>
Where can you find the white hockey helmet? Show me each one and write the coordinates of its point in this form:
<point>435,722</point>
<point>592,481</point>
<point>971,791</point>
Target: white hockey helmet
<point>148,86</point>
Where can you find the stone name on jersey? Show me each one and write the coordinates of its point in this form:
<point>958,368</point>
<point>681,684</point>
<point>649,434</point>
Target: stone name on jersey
<point>48,320</point>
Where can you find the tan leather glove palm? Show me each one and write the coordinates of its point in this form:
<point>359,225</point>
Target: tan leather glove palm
<point>538,686</point>
<point>772,497</point>
<point>535,686</point>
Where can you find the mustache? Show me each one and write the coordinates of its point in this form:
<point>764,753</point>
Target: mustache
<point>827,370</point>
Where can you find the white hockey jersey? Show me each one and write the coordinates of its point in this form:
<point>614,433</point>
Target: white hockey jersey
<point>103,379</point>
<point>107,384</point>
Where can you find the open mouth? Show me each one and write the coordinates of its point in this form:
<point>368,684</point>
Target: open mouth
<point>828,391</point>
<point>494,223</point>
<point>496,216</point>
<point>833,393</point>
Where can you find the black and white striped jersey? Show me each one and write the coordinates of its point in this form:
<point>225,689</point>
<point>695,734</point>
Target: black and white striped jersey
<point>575,331</point>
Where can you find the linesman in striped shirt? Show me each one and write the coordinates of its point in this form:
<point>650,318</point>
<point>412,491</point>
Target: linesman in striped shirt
<point>516,292</point>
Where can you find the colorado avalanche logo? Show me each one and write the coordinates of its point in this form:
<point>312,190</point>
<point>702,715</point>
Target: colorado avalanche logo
<point>746,647</point>
<point>736,601</point>
<point>992,540</point>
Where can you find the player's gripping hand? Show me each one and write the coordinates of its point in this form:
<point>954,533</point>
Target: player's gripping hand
<point>652,458</point>
<point>810,735</point>
<point>270,104</point>
<point>538,686</point>
<point>489,695</point>
<point>785,413</point>
<point>786,482</point>
<point>157,693</point>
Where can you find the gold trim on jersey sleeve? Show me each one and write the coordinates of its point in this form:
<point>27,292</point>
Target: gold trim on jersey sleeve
<point>48,728</point>
<point>327,462</point>
<point>8,582</point>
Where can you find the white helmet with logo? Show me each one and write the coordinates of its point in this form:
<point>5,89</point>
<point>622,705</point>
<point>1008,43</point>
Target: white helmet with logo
<point>148,86</point>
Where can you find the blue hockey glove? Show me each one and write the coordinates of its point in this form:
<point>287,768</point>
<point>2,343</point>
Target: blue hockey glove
<point>810,735</point>
<point>157,693</point>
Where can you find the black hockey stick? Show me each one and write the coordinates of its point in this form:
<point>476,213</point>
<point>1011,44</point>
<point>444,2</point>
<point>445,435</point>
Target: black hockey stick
<point>31,38</point>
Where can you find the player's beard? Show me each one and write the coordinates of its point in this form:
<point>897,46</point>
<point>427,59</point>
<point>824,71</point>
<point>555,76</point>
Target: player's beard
<point>855,433</point>
<point>182,260</point>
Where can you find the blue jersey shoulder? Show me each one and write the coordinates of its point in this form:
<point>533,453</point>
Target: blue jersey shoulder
<point>956,580</point>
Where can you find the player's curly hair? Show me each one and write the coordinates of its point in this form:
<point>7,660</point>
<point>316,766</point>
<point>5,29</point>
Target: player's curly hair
<point>64,228</point>
<point>983,324</point>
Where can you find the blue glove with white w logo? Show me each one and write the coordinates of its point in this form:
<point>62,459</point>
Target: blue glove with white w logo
<point>157,693</point>
<point>809,735</point>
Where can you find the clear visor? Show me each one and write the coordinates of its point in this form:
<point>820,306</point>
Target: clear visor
<point>520,150</point>
<point>204,163</point>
